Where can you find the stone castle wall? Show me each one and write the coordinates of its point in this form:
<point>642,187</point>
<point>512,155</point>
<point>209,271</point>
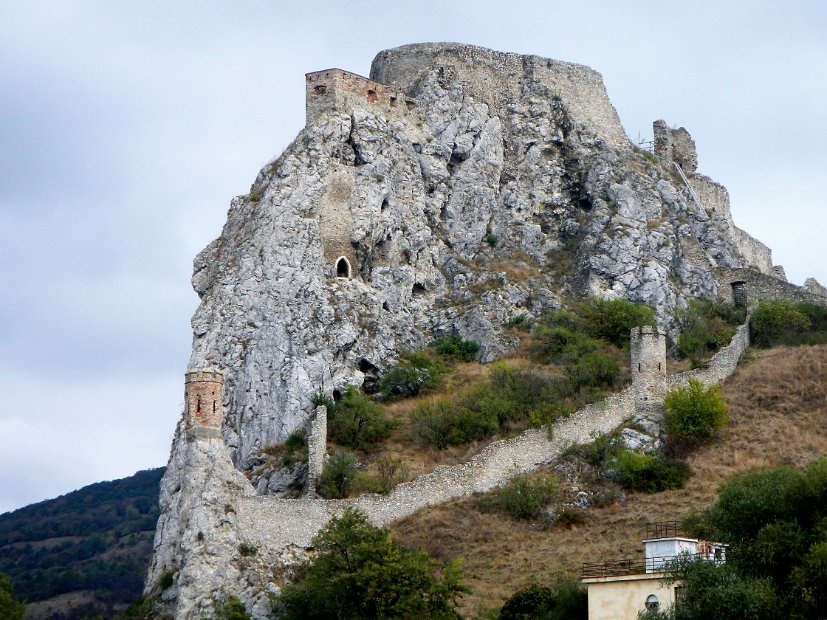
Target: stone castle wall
<point>498,79</point>
<point>335,90</point>
<point>279,525</point>
<point>762,287</point>
<point>675,145</point>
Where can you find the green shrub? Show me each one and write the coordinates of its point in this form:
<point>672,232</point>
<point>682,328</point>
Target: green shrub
<point>356,421</point>
<point>780,322</point>
<point>560,345</point>
<point>594,369</point>
<point>612,320</point>
<point>391,472</point>
<point>338,475</point>
<point>359,572</point>
<point>694,412</point>
<point>706,326</point>
<point>454,347</point>
<point>566,601</point>
<point>416,373</point>
<point>166,580</point>
<point>230,608</point>
<point>522,498</point>
<point>650,473</point>
<point>444,422</point>
<point>247,549</point>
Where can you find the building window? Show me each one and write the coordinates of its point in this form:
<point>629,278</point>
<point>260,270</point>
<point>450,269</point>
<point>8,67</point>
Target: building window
<point>342,267</point>
<point>652,602</point>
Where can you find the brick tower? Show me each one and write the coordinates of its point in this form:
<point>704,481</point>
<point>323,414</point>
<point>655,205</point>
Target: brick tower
<point>203,395</point>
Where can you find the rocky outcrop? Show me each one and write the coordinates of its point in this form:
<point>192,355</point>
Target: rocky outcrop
<point>457,189</point>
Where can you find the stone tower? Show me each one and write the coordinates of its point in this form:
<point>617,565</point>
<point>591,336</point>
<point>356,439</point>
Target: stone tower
<point>203,397</point>
<point>648,352</point>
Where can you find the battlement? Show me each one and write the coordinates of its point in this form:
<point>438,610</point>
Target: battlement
<point>336,90</point>
<point>203,397</point>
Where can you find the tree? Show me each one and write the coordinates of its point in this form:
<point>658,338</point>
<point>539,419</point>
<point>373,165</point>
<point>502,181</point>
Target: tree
<point>10,607</point>
<point>694,412</point>
<point>360,573</point>
<point>718,591</point>
<point>566,601</point>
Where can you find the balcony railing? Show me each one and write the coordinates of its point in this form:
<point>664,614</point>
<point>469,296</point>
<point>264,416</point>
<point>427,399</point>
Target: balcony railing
<point>620,568</point>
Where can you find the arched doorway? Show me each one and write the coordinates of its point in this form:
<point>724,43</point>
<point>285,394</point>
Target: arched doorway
<point>342,267</point>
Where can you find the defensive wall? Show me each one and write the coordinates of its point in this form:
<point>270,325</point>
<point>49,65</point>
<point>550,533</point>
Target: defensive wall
<point>278,525</point>
<point>757,286</point>
<point>498,79</point>
<point>337,90</point>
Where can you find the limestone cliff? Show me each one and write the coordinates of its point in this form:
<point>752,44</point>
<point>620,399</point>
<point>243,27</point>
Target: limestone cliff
<point>456,189</point>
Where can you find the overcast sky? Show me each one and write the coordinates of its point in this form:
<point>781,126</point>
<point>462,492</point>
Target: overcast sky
<point>127,127</point>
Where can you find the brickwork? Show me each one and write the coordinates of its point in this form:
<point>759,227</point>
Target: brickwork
<point>648,353</point>
<point>203,395</point>
<point>335,90</point>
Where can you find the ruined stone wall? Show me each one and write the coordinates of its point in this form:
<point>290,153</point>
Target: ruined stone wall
<point>763,287</point>
<point>279,524</point>
<point>721,366</point>
<point>335,90</point>
<point>498,79</point>
<point>675,145</point>
<point>316,447</point>
<point>714,197</point>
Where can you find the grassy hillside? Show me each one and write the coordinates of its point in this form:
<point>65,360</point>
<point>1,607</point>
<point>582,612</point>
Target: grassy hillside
<point>85,552</point>
<point>778,405</point>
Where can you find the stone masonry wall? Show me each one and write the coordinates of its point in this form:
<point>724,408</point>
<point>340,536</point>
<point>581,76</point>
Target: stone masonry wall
<point>763,287</point>
<point>648,353</point>
<point>498,79</point>
<point>316,447</point>
<point>335,90</point>
<point>675,145</point>
<point>280,525</point>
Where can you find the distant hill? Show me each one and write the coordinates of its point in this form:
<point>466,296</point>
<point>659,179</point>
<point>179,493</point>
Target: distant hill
<point>83,553</point>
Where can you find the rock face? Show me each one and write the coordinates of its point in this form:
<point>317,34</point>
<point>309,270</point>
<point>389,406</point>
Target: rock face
<point>455,190</point>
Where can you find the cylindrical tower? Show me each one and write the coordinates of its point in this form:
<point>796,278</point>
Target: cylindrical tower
<point>203,395</point>
<point>648,352</point>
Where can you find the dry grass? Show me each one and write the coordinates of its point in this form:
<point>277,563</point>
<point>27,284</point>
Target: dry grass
<point>403,444</point>
<point>778,405</point>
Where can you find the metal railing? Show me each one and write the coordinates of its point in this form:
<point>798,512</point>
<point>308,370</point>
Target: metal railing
<point>662,529</point>
<point>620,568</point>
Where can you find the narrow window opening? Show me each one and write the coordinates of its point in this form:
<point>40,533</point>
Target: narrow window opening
<point>198,406</point>
<point>658,365</point>
<point>213,406</point>
<point>638,366</point>
<point>321,89</point>
<point>342,268</point>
